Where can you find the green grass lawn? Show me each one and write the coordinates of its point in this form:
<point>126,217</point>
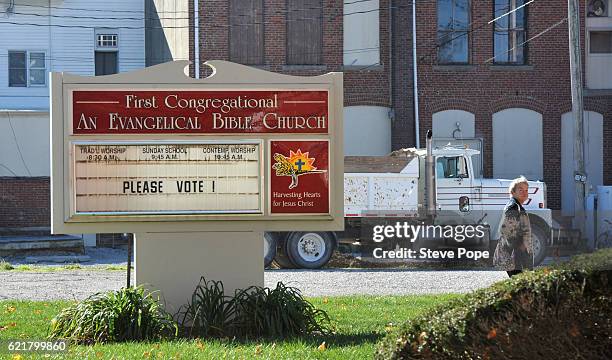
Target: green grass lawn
<point>360,321</point>
<point>6,267</point>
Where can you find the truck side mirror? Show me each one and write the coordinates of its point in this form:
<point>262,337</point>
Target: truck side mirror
<point>464,204</point>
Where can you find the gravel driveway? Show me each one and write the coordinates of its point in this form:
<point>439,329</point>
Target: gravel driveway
<point>335,282</point>
<point>78,284</point>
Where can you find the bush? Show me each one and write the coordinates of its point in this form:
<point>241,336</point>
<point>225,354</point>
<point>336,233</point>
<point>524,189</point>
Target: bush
<point>129,314</point>
<point>252,312</point>
<point>599,260</point>
<point>277,312</point>
<point>561,313</point>
<point>210,312</point>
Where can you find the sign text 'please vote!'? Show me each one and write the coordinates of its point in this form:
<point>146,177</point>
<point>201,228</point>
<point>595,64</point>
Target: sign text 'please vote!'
<point>168,177</point>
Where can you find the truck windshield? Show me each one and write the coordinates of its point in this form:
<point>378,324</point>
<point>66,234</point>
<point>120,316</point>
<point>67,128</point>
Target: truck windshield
<point>451,167</point>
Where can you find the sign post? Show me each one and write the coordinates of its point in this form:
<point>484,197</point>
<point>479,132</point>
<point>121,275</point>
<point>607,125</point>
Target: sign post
<point>197,169</point>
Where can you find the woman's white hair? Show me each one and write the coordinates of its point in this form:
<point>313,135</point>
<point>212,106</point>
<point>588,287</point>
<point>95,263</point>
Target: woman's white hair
<point>519,180</point>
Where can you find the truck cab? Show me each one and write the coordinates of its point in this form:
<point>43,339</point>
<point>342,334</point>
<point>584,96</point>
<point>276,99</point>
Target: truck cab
<point>462,196</point>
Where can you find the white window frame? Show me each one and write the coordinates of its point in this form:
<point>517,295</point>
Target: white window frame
<point>97,48</point>
<point>588,41</point>
<point>595,80</point>
<point>100,40</point>
<point>453,33</point>
<point>513,29</point>
<point>28,54</point>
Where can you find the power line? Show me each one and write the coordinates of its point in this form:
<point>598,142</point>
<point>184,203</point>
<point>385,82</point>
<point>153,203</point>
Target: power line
<point>437,45</point>
<point>276,12</point>
<point>17,143</point>
<point>96,18</point>
<point>169,27</point>
<point>9,170</point>
<point>156,18</point>
<point>77,58</point>
<point>158,12</point>
<point>464,33</point>
<point>511,11</point>
<point>355,2</point>
<point>90,9</point>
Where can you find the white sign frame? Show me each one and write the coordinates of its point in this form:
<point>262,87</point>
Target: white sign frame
<point>226,76</point>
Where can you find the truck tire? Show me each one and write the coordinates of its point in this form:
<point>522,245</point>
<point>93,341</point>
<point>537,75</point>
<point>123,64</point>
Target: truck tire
<point>269,248</point>
<point>281,258</point>
<point>310,250</point>
<point>539,239</point>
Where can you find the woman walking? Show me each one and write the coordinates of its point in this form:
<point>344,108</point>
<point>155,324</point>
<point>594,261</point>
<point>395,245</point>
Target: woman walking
<point>514,250</point>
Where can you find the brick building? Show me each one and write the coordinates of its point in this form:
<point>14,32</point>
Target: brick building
<point>478,80</point>
<point>367,40</point>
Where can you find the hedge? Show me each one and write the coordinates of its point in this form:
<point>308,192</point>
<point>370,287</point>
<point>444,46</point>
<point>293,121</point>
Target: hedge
<point>558,312</point>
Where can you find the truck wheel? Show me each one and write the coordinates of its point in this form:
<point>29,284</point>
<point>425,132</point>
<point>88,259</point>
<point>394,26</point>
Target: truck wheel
<point>539,239</point>
<point>281,258</point>
<point>310,250</point>
<point>269,248</point>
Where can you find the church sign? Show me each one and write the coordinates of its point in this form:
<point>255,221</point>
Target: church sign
<point>155,150</point>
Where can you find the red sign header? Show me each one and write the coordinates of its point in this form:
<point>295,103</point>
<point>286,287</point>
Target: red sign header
<point>200,112</point>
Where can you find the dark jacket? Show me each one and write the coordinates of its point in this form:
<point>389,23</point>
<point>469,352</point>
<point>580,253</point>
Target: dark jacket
<point>514,250</point>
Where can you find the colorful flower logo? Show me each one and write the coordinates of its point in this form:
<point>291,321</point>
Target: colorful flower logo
<point>294,165</point>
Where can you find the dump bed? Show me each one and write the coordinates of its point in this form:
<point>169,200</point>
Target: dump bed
<point>381,185</point>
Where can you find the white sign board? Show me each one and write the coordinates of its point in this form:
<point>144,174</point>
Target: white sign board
<point>167,178</point>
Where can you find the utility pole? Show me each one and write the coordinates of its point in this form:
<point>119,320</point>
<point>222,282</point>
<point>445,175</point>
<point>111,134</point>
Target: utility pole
<point>573,20</point>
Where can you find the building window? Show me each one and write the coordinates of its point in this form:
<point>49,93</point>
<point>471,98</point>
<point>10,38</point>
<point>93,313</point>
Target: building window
<point>106,53</point>
<point>246,32</point>
<point>453,27</point>
<point>361,33</point>
<point>509,32</point>
<point>18,71</point>
<point>106,41</point>
<point>27,68</point>
<point>600,42</point>
<point>304,32</point>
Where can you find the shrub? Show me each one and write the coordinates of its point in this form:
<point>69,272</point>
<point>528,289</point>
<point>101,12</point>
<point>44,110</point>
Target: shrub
<point>599,260</point>
<point>251,312</point>
<point>560,313</point>
<point>210,312</point>
<point>277,312</point>
<point>129,314</point>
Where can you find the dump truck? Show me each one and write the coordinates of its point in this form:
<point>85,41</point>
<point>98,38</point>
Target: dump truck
<point>396,186</point>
